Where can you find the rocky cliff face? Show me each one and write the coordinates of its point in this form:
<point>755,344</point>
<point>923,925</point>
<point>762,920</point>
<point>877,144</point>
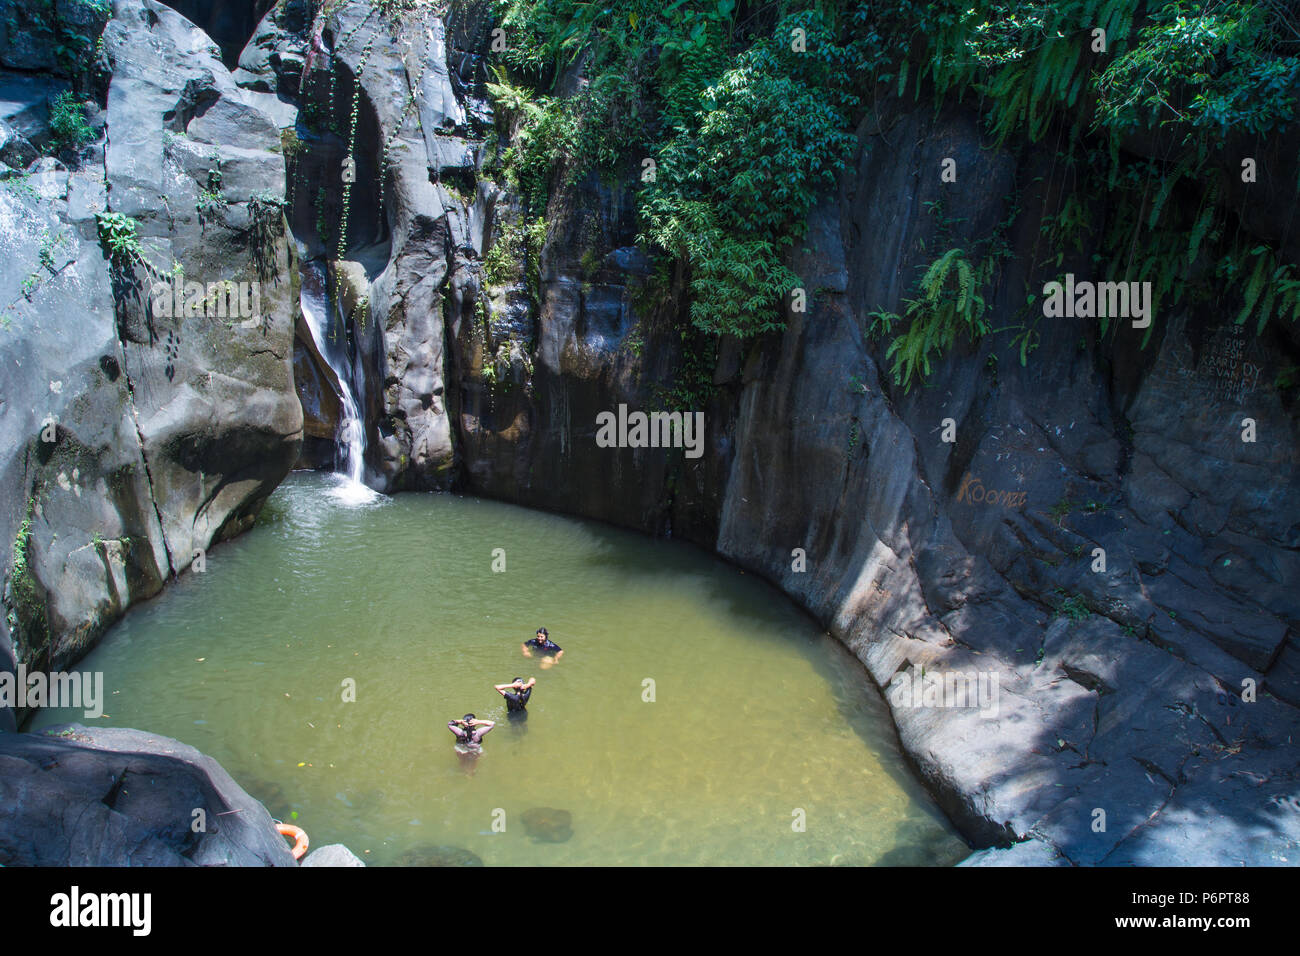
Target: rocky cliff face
<point>134,433</point>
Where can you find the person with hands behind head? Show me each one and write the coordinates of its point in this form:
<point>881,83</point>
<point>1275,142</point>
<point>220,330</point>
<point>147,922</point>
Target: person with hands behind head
<point>469,731</point>
<point>516,694</point>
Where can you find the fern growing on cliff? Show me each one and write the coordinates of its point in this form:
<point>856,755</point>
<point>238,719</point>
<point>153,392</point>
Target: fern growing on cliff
<point>949,306</point>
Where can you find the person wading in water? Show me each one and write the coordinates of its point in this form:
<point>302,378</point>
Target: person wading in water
<point>469,731</point>
<point>516,694</point>
<point>549,651</point>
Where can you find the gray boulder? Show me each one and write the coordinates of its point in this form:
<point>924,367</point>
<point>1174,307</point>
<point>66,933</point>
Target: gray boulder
<point>110,797</point>
<point>333,854</point>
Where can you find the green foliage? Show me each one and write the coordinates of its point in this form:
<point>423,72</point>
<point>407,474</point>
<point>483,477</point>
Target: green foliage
<point>28,615</point>
<point>545,135</point>
<point>20,544</point>
<point>734,185</point>
<point>1061,510</point>
<point>1198,71</point>
<point>212,202</point>
<point>734,132</point>
<point>1074,609</point>
<point>1272,289</point>
<point>743,132</point>
<point>949,307</point>
<point>323,230</point>
<point>265,205</point>
<point>517,244</point>
<point>48,245</point>
<point>266,218</point>
<point>68,126</point>
<point>74,51</point>
<point>1203,68</point>
<point>20,185</point>
<point>290,143</point>
<point>118,234</point>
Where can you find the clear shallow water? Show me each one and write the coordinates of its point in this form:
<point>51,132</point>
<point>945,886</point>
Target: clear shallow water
<point>756,713</point>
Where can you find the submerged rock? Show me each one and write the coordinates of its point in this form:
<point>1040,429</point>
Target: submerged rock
<point>438,856</point>
<point>548,824</point>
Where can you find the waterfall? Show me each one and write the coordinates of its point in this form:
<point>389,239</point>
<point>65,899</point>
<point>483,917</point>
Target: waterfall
<point>324,317</point>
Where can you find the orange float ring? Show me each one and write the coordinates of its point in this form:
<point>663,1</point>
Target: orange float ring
<point>299,838</point>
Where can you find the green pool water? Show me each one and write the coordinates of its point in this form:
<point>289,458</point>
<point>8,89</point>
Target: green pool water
<point>759,720</point>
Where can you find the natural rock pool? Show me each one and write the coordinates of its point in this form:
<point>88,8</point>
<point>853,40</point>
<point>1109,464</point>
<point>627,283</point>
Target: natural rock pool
<point>757,714</point>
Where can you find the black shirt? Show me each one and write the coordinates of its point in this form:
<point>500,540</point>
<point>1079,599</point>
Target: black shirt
<point>544,644</point>
<point>517,701</point>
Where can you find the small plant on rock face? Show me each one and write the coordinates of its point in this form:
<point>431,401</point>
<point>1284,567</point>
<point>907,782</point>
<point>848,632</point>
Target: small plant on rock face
<point>323,230</point>
<point>266,218</point>
<point>20,577</point>
<point>635,343</point>
<point>1061,509</point>
<point>68,126</point>
<point>118,234</point>
<point>1074,609</point>
<point>290,143</point>
<point>49,243</point>
<point>212,201</point>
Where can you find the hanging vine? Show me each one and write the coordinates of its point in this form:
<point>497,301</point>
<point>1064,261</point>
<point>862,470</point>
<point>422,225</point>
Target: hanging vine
<point>352,142</point>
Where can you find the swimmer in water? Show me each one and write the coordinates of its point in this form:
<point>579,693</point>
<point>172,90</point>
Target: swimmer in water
<point>516,694</point>
<point>469,731</point>
<point>550,651</point>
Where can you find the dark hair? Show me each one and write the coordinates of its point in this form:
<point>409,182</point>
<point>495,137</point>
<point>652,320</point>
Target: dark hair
<point>467,718</point>
<point>517,680</point>
<point>542,631</point>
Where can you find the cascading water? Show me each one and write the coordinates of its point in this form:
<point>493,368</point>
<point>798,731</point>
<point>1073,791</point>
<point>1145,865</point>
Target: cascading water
<point>324,317</point>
